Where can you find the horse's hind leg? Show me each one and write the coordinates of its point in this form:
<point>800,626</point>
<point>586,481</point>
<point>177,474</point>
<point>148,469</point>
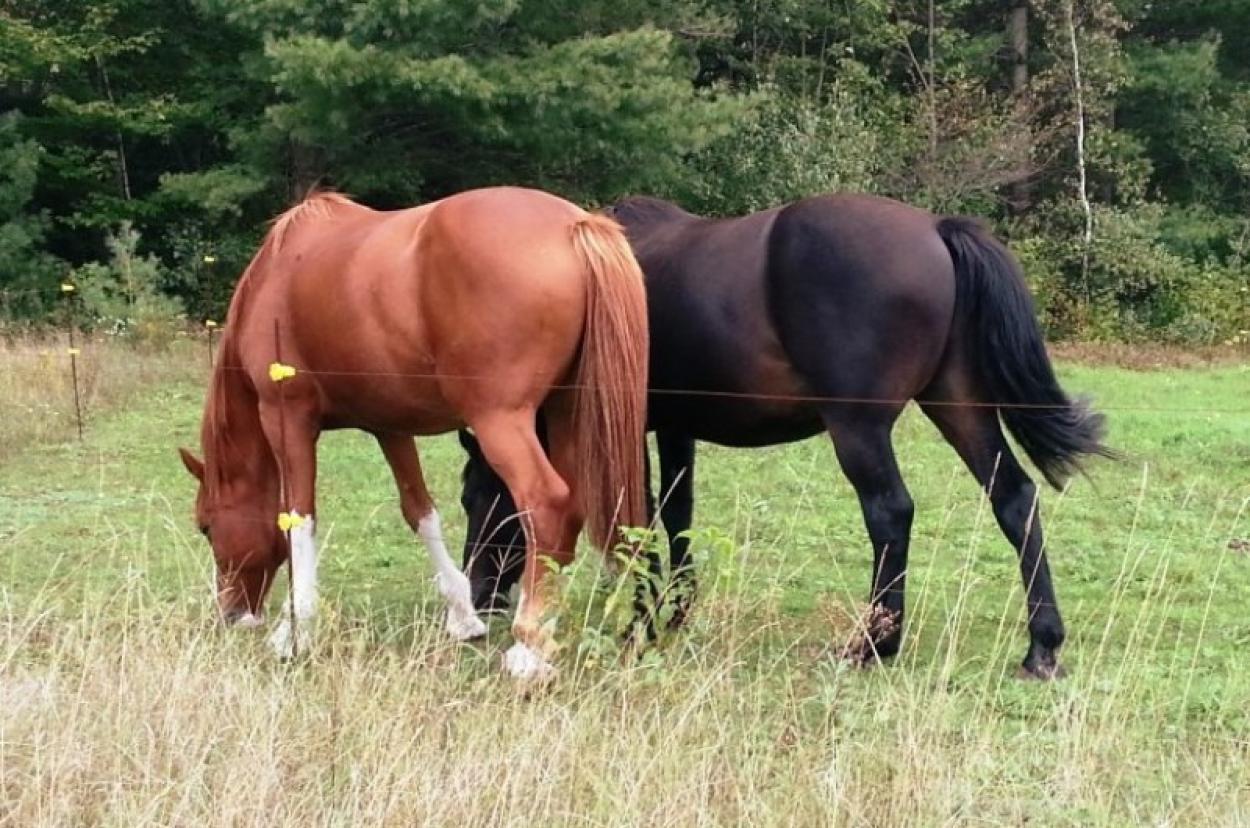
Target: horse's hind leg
<point>976,434</point>
<point>862,441</point>
<point>546,504</point>
<point>419,511</point>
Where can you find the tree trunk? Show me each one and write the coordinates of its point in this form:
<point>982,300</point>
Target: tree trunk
<point>1018,37</point>
<point>1078,88</point>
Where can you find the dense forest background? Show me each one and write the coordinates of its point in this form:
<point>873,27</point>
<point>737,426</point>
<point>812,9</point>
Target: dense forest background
<point>144,143</point>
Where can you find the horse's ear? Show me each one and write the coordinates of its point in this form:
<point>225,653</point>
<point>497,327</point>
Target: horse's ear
<point>193,464</point>
<point>468,442</point>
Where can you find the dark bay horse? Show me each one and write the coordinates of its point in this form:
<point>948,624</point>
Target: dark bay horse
<point>830,314</point>
<point>477,310</point>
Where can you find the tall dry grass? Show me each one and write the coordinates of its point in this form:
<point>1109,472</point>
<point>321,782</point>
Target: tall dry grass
<point>132,712</point>
<point>37,389</point>
<point>120,706</point>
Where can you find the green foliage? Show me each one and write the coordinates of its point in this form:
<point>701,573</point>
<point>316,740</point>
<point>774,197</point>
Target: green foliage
<point>197,120</point>
<point>786,148</point>
<point>589,117</point>
<point>1201,149</point>
<point>27,270</point>
<point>1135,288</point>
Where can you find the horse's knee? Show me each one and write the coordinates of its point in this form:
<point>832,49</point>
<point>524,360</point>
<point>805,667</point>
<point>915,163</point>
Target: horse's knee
<point>1016,509</point>
<point>889,513</point>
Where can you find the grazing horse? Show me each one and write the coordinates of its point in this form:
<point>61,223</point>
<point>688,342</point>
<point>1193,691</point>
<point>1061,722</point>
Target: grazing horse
<point>830,314</point>
<point>477,310</point>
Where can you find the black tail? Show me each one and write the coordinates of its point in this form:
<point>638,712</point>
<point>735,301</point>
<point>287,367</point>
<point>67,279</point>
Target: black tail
<point>994,305</point>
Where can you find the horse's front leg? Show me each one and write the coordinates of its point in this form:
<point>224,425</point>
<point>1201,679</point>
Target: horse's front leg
<point>418,507</point>
<point>292,435</point>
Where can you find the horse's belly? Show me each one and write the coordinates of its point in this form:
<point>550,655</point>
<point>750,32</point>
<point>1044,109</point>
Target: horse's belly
<point>741,422</point>
<point>403,405</point>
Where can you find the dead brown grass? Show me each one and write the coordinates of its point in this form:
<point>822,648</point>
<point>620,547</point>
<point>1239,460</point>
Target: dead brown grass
<point>1148,356</point>
<point>37,390</point>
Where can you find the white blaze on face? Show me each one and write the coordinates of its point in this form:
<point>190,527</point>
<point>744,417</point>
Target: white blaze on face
<point>462,621</point>
<point>304,588</point>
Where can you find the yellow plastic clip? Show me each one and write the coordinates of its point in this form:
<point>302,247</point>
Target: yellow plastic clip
<point>288,521</point>
<point>209,258</point>
<point>66,287</point>
<point>279,372</point>
<point>72,351</point>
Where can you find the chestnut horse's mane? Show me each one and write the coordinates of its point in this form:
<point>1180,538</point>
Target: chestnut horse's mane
<point>217,421</point>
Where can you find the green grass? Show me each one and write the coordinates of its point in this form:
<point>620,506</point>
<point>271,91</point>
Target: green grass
<point>122,704</point>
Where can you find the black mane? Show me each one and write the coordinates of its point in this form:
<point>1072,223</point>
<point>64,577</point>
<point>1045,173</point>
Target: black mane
<point>634,210</point>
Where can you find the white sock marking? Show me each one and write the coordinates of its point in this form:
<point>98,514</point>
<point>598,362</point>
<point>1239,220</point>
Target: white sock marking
<point>304,584</point>
<point>522,663</point>
<point>462,621</point>
<point>248,621</point>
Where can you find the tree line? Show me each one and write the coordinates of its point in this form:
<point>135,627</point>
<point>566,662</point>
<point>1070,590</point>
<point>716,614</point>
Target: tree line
<point>144,143</point>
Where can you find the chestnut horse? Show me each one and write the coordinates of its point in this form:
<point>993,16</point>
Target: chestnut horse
<point>829,314</point>
<point>477,310</point>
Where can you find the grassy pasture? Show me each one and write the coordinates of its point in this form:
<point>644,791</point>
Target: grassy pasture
<point>121,703</point>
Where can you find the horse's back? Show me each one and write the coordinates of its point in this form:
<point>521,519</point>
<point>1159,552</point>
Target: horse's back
<point>384,308</point>
<point>839,295</point>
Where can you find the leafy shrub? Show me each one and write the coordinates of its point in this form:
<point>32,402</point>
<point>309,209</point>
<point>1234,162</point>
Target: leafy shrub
<point>124,298</point>
<point>1135,288</point>
<point>27,271</point>
<point>787,148</point>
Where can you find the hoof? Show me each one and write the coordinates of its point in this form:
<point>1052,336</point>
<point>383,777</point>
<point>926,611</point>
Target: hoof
<point>248,621</point>
<point>242,619</point>
<point>864,653</point>
<point>527,666</point>
<point>463,625</point>
<point>681,614</point>
<point>285,645</point>
<point>1041,672</point>
<point>860,656</point>
<point>879,636</point>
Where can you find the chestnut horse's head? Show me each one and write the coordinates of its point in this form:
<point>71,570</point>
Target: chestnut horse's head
<point>238,515</point>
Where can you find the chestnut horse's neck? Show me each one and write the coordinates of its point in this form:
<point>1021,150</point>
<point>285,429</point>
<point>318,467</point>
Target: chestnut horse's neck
<point>235,449</point>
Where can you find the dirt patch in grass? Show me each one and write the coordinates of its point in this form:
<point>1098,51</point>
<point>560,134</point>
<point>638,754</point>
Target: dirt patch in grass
<point>1147,357</point>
